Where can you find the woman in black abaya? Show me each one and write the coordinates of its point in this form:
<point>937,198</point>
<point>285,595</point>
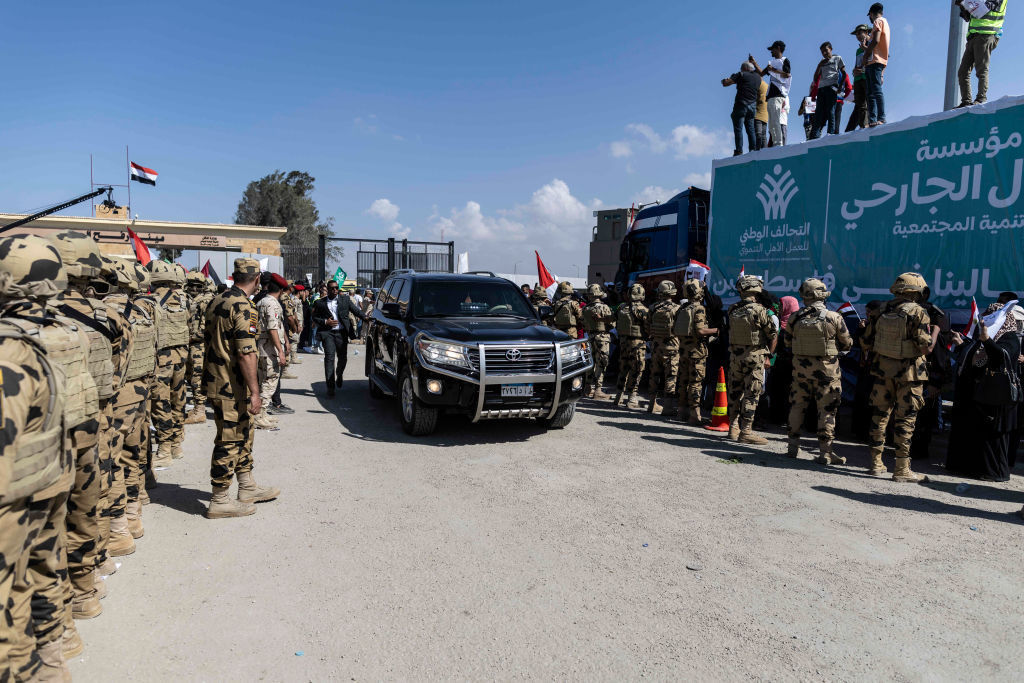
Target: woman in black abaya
<point>984,416</point>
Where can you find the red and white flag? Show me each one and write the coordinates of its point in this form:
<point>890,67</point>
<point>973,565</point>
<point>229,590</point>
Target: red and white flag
<point>142,174</point>
<point>697,271</point>
<point>632,217</point>
<point>547,281</point>
<point>743,271</point>
<point>972,324</point>
<point>141,250</point>
<point>847,309</point>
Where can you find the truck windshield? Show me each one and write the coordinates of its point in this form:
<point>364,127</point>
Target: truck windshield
<point>469,299</point>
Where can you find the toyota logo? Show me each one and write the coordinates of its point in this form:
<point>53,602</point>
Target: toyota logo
<point>513,354</point>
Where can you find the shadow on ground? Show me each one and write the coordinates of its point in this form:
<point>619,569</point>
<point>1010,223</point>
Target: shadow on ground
<point>180,498</point>
<point>902,501</point>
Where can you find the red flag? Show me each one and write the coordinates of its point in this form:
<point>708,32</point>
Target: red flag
<point>972,324</point>
<point>847,309</point>
<point>632,217</point>
<point>141,250</point>
<point>547,281</point>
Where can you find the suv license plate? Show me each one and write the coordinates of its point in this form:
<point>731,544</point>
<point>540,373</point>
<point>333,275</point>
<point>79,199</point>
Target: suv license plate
<point>517,390</point>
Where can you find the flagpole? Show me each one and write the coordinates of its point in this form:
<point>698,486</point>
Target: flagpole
<point>128,167</point>
<point>92,186</point>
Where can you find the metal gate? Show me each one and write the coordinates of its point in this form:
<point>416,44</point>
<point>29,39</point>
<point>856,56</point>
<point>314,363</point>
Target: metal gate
<point>375,259</point>
<point>300,260</point>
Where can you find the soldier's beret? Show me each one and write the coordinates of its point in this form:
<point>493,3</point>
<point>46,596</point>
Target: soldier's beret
<point>247,265</point>
<point>279,281</point>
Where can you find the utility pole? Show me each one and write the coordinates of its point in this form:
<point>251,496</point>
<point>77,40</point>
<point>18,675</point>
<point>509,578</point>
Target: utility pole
<point>957,40</point>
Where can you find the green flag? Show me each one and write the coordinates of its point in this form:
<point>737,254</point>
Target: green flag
<point>340,276</point>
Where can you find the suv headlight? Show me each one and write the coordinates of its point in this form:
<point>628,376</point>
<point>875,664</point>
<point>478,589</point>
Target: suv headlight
<point>441,353</point>
<point>572,353</point>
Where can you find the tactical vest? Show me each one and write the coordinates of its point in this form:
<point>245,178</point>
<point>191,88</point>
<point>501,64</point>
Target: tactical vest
<point>810,334</point>
<point>172,328</point>
<point>686,321</point>
<point>628,324</point>
<point>662,320</point>
<point>892,333</point>
<point>197,317</point>
<point>564,315</point>
<point>990,24</point>
<point>101,353</point>
<point>37,456</point>
<point>744,329</point>
<point>594,318</point>
<point>142,361</point>
<point>64,349</point>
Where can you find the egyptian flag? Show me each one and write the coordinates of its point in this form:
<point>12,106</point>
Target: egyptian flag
<point>632,217</point>
<point>209,272</point>
<point>697,271</point>
<point>847,309</point>
<point>143,174</point>
<point>141,250</point>
<point>972,324</point>
<point>743,271</point>
<point>547,281</point>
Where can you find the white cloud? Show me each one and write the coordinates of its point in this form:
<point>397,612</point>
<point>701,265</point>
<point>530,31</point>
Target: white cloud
<point>621,149</point>
<point>908,29</point>
<point>691,141</point>
<point>701,180</point>
<point>471,224</point>
<point>400,231</point>
<point>383,209</point>
<point>653,193</point>
<point>654,141</point>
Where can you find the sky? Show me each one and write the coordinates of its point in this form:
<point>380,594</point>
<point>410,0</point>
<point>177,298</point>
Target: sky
<point>501,126</point>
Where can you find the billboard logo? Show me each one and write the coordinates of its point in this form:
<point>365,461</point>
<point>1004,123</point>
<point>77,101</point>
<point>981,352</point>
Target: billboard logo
<point>775,193</point>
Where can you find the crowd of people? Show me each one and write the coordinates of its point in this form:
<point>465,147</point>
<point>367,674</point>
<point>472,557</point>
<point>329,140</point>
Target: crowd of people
<point>793,364</point>
<point>761,110</point>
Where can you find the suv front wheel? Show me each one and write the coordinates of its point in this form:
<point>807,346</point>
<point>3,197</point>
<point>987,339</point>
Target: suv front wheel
<point>417,418</point>
<point>563,416</point>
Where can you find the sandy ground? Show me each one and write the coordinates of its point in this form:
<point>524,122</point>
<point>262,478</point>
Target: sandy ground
<point>620,547</point>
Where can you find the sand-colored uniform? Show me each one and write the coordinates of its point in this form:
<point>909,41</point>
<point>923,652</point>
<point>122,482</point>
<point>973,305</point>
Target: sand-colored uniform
<point>196,331</point>
<point>231,329</point>
<point>168,396</point>
<point>632,324</point>
<point>566,316</point>
<point>598,321</point>
<point>693,352</point>
<point>896,340</point>
<point>750,334</point>
<point>664,348</point>
<point>36,472</point>
<point>818,337</point>
<point>271,317</point>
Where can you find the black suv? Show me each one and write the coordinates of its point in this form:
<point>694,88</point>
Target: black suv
<point>470,344</point>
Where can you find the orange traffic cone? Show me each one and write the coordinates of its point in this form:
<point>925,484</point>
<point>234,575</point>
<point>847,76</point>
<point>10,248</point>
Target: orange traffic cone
<point>720,413</point>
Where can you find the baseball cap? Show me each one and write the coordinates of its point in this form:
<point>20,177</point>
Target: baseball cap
<point>777,44</point>
<point>861,27</point>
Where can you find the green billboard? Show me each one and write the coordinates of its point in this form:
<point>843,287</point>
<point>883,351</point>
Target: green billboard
<point>939,195</point>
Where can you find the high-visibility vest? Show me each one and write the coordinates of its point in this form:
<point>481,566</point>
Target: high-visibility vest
<point>990,24</point>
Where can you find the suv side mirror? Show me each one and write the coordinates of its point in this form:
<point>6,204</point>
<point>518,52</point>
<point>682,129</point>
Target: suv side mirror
<point>391,310</point>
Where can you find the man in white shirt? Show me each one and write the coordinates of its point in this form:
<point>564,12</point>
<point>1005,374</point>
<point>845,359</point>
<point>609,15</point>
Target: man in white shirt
<point>779,82</point>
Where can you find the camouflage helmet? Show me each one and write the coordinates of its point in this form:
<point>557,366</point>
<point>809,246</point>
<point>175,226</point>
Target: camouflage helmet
<point>595,293</point>
<point>123,276</point>
<point>814,289</point>
<point>636,292</point>
<point>30,268</point>
<point>210,286</point>
<point>666,289</point>
<point>195,280</point>
<point>79,253</point>
<point>693,289</point>
<point>143,277</point>
<point>909,283</point>
<point>565,289</point>
<point>162,272</point>
<point>749,284</point>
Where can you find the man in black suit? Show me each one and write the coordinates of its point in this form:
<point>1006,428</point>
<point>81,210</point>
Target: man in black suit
<point>330,315</point>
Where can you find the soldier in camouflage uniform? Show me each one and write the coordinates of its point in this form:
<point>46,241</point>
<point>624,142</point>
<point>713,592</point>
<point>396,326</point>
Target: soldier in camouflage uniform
<point>538,298</point>
<point>295,326</point>
<point>140,439</point>
<point>36,468</point>
<point>818,337</point>
<point>90,495</point>
<point>271,346</point>
<point>168,397</point>
<point>566,311</point>
<point>200,297</point>
<point>598,321</point>
<point>664,348</point>
<point>132,400</point>
<point>288,321</point>
<point>632,324</point>
<point>691,327</point>
<point>232,388</point>
<point>752,338</point>
<point>897,339</point>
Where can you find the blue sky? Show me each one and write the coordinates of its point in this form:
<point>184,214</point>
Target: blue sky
<point>502,124</point>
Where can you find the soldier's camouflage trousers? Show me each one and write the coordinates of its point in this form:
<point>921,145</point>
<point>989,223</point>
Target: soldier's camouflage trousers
<point>268,371</point>
<point>633,354</point>
<point>819,380</point>
<point>83,505</point>
<point>693,366</point>
<point>293,348</point>
<point>905,399</point>
<point>232,447</point>
<point>194,371</point>
<point>20,524</point>
<point>109,440</point>
<point>168,397</point>
<point>600,345</point>
<point>136,428</point>
<point>664,367</point>
<point>746,382</point>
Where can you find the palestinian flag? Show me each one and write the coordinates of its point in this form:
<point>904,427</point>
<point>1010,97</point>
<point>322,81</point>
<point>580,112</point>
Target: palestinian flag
<point>142,174</point>
<point>209,272</point>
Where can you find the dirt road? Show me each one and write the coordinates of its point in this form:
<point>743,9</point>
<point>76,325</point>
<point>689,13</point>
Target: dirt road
<point>622,546</point>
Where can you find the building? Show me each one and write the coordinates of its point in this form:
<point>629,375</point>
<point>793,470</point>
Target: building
<point>604,244</point>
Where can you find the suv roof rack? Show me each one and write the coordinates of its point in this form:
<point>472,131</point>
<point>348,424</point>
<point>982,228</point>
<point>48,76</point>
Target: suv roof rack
<point>479,272</point>
<point>401,271</point>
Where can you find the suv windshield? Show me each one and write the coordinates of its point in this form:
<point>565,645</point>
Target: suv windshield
<point>469,299</point>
